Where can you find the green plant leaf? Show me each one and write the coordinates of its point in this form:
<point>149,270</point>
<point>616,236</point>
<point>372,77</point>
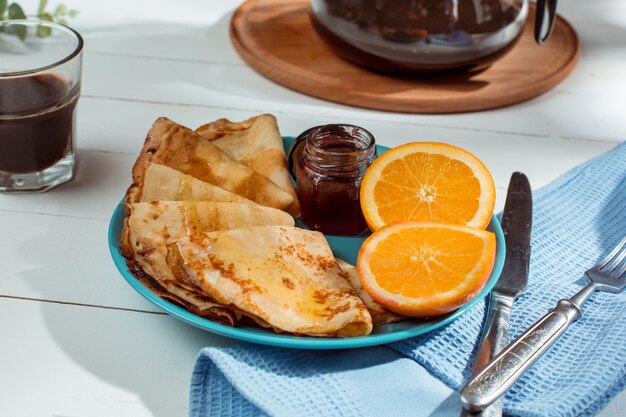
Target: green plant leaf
<point>42,6</point>
<point>44,31</point>
<point>20,31</point>
<point>3,8</point>
<point>60,10</point>
<point>16,12</point>
<point>60,14</point>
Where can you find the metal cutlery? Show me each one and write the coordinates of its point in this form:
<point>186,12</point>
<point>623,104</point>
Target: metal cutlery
<point>507,367</point>
<point>516,226</point>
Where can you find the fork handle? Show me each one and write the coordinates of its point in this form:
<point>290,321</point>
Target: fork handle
<point>508,366</point>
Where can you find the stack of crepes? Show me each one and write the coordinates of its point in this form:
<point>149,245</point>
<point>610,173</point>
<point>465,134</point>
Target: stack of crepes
<point>210,227</point>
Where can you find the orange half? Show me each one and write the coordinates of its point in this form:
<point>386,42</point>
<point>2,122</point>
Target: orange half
<point>427,182</point>
<point>426,269</point>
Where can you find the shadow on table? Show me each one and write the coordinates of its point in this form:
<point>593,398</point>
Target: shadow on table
<point>140,354</point>
<point>145,358</point>
<point>146,355</point>
<point>449,407</point>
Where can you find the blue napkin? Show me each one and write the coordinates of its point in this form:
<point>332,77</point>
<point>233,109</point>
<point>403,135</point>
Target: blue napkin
<point>577,220</point>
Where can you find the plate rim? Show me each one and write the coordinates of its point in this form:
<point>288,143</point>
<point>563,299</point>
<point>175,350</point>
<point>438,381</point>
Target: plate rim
<point>287,340</point>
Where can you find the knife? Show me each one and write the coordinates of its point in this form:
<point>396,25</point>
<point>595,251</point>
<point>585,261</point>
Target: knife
<point>516,226</point>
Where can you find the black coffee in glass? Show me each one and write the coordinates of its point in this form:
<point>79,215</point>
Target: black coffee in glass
<point>40,78</point>
<point>36,122</point>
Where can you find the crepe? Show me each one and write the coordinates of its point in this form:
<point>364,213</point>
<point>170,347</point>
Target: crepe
<point>380,315</point>
<point>188,298</point>
<point>177,147</point>
<point>257,144</point>
<point>162,183</point>
<point>150,226</point>
<point>284,277</point>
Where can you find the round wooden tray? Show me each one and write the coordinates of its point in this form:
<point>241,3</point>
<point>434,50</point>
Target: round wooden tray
<point>276,38</point>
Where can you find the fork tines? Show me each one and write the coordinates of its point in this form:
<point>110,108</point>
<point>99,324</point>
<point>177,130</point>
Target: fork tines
<point>614,259</point>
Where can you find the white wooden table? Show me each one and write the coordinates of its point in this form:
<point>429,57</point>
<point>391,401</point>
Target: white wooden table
<point>76,340</point>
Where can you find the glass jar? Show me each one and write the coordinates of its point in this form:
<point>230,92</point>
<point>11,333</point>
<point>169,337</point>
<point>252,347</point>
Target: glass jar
<point>425,35</point>
<point>329,166</point>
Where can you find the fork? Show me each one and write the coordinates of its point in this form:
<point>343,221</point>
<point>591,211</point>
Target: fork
<point>511,363</point>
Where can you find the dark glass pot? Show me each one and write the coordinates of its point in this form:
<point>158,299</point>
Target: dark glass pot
<point>425,36</point>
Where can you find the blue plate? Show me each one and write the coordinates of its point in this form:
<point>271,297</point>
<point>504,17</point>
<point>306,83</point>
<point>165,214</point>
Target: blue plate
<point>343,247</point>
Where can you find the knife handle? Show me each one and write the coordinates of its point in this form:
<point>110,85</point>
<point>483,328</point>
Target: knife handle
<point>499,375</point>
<point>495,336</point>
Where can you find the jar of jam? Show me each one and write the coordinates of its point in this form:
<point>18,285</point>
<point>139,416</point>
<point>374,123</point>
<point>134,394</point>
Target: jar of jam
<point>329,163</point>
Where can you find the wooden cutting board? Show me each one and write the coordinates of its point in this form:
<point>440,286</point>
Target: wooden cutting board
<point>275,37</point>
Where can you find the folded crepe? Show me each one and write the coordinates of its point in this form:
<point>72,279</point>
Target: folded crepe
<point>257,144</point>
<point>380,315</point>
<point>161,183</point>
<point>177,147</point>
<point>186,297</point>
<point>283,277</point>
<point>151,226</point>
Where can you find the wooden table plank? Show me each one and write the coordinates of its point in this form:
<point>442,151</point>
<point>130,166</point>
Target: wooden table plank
<point>60,360</point>
<point>572,113</point>
<point>149,59</point>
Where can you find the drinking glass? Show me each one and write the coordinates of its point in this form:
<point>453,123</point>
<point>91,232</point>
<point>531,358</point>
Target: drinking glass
<point>40,76</point>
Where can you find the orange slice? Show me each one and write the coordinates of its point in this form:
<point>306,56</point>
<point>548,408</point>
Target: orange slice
<point>425,269</point>
<point>427,182</point>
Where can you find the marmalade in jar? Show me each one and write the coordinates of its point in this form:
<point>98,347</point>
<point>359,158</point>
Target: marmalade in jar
<point>328,176</point>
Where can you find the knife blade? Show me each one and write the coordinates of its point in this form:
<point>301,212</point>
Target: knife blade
<point>516,226</point>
